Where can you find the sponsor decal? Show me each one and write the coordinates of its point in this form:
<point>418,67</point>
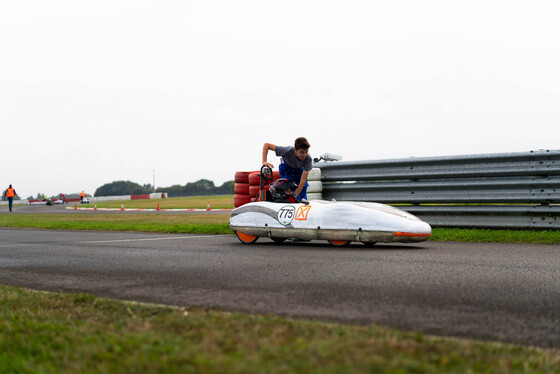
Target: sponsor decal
<point>286,214</point>
<point>302,212</point>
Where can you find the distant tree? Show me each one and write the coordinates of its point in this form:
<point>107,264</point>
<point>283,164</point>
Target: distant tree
<point>227,188</point>
<point>199,188</point>
<point>122,188</point>
<point>174,191</point>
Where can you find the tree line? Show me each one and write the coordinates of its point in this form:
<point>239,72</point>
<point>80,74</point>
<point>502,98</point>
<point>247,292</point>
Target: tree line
<point>201,187</point>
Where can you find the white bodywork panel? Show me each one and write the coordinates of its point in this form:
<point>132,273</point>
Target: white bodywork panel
<point>350,221</point>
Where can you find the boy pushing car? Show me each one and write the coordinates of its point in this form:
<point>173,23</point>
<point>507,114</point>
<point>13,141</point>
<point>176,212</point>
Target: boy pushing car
<point>295,163</point>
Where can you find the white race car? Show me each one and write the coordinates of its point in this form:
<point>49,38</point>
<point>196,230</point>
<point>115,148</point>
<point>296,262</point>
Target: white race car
<point>337,222</point>
<point>277,215</point>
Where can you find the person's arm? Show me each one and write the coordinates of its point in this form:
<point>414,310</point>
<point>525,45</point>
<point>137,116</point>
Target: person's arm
<point>302,181</point>
<point>266,148</point>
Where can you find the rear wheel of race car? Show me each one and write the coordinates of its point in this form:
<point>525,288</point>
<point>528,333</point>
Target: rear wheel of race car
<point>339,243</point>
<point>278,240</point>
<point>245,238</point>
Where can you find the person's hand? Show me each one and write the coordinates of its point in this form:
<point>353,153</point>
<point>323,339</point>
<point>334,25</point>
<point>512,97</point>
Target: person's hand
<point>268,164</point>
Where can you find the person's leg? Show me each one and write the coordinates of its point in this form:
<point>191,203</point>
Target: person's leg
<point>283,170</point>
<point>293,175</point>
<point>303,193</point>
<point>297,177</point>
<point>10,202</point>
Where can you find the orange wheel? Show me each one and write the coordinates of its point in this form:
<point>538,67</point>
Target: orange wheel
<point>245,238</point>
<point>339,243</point>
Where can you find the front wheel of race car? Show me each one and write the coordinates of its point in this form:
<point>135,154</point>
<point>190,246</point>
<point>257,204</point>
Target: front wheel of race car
<point>339,243</point>
<point>245,238</point>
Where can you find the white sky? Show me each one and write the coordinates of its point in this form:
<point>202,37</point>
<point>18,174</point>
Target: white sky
<point>97,91</point>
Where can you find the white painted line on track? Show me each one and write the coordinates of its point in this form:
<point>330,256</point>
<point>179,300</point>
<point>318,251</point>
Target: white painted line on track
<point>147,239</point>
<point>151,209</point>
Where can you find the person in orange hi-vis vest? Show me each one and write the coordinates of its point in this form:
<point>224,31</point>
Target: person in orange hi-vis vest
<point>10,193</point>
<point>82,195</point>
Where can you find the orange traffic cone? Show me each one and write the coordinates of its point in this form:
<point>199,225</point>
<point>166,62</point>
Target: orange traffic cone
<point>122,206</point>
<point>75,206</point>
<point>208,206</point>
<point>94,206</point>
<point>157,206</point>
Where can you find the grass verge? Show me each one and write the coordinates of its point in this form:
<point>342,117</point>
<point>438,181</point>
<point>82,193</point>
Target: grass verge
<point>497,236</point>
<point>77,333</point>
<point>190,202</point>
<point>164,223</point>
<point>218,224</point>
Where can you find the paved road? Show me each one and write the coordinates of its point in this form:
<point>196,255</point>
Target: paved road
<point>496,292</point>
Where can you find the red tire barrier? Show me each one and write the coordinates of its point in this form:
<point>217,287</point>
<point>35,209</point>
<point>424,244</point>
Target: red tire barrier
<point>139,197</point>
<point>239,200</point>
<point>255,179</point>
<point>254,190</point>
<point>241,188</point>
<point>242,176</point>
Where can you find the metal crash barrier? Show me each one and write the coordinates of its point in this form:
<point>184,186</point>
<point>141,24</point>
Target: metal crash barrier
<point>502,190</point>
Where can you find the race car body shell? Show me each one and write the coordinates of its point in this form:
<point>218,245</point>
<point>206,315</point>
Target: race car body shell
<point>327,220</point>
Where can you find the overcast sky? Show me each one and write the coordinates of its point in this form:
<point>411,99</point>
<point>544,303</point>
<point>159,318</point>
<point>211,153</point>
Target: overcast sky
<point>97,91</point>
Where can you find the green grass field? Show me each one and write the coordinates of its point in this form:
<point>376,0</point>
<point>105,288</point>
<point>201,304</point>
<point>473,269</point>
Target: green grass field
<point>192,202</point>
<point>77,333</point>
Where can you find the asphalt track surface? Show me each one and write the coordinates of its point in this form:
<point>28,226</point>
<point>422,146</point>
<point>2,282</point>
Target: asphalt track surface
<point>496,292</point>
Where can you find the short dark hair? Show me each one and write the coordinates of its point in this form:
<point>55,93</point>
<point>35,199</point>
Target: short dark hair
<point>301,143</point>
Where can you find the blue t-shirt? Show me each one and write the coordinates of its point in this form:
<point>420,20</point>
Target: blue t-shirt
<point>289,155</point>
